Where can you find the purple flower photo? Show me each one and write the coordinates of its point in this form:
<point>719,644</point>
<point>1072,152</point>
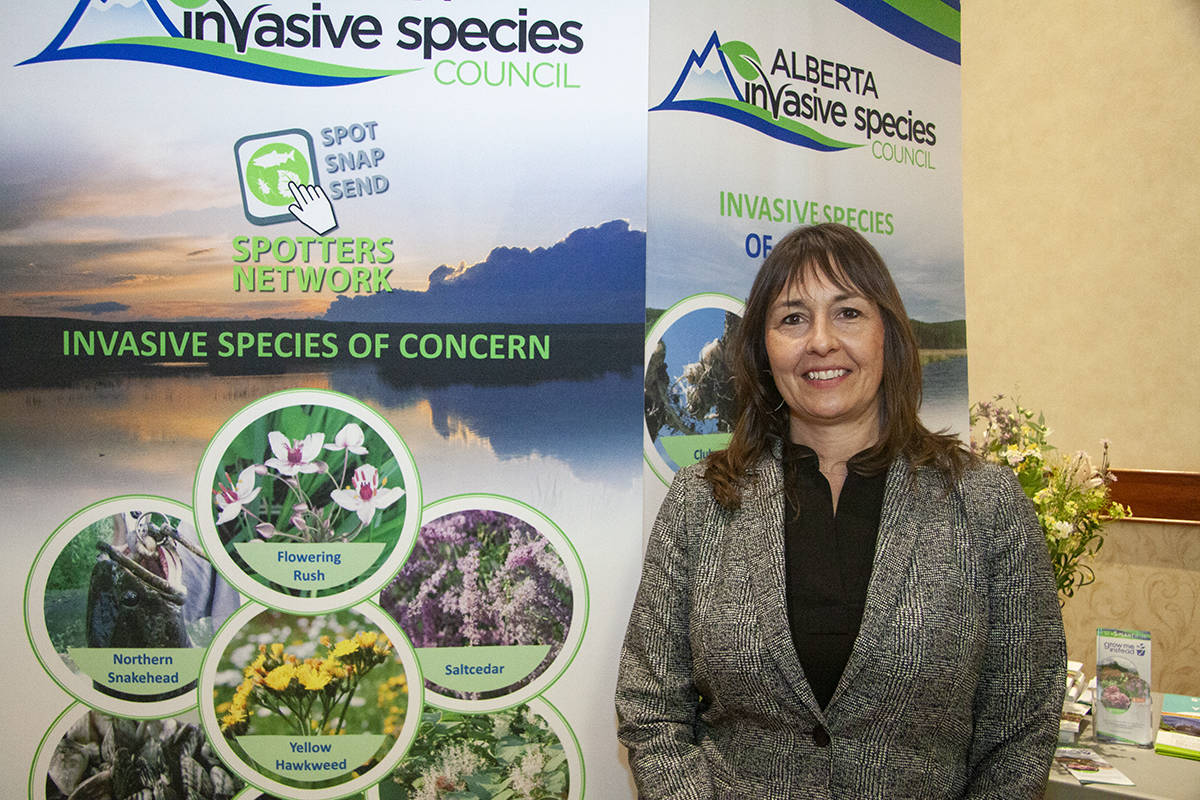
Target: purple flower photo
<point>482,578</point>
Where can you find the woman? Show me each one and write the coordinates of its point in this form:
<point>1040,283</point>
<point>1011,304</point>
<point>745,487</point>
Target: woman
<point>841,604</point>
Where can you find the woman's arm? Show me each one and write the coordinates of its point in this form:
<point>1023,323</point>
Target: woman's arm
<point>1019,696</point>
<point>657,703</point>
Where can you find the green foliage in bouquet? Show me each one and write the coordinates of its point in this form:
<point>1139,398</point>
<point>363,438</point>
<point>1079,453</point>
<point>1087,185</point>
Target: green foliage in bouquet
<point>1070,493</point>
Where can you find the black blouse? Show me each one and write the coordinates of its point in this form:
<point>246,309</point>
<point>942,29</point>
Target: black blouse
<point>828,562</point>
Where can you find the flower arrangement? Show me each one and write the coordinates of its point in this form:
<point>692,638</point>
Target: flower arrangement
<point>1069,493</point>
<point>292,685</point>
<point>302,497</point>
<point>482,577</point>
<point>511,754</point>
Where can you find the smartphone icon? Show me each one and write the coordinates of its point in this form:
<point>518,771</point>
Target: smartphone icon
<point>267,163</point>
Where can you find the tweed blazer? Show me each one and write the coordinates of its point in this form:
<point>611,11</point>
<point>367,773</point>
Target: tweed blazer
<point>953,688</point>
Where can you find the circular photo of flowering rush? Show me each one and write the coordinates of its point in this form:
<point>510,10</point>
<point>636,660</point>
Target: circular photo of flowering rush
<point>92,754</point>
<point>493,598</point>
<point>689,408</point>
<point>527,752</point>
<point>122,602</point>
<point>307,500</point>
<point>301,704</point>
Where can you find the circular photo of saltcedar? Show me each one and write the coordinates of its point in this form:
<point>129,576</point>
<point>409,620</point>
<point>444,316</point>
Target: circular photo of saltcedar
<point>493,598</point>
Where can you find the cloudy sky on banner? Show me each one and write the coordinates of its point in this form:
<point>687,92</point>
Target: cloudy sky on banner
<point>125,189</point>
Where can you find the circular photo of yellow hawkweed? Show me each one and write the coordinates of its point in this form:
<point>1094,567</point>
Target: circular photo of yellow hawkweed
<point>302,703</point>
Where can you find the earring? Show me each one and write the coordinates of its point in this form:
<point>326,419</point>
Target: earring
<point>776,408</point>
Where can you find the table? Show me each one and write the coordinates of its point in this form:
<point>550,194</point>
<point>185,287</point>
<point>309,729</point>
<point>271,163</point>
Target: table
<point>1156,777</point>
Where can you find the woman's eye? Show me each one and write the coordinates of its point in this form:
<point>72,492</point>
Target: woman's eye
<point>851,313</point>
<point>791,319</point>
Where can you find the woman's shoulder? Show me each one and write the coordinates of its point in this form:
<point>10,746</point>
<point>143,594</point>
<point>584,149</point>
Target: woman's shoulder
<point>689,485</point>
<point>976,479</point>
<point>987,495</point>
<point>982,479</point>
<point>990,498</point>
<point>697,475</point>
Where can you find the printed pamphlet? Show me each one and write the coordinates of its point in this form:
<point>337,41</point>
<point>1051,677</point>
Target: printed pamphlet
<point>1123,708</point>
<point>1179,727</point>
<point>1089,767</point>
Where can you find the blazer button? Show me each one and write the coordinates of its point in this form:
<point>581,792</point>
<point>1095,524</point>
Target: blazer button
<point>820,736</point>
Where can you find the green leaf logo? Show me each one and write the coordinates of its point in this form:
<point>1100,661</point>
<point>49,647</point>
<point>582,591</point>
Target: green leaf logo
<point>745,60</point>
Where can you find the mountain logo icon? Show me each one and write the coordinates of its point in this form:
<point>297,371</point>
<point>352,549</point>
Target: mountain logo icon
<point>140,30</point>
<point>706,85</point>
<point>708,82</point>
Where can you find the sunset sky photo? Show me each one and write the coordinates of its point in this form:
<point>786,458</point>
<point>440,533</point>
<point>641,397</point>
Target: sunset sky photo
<point>119,193</point>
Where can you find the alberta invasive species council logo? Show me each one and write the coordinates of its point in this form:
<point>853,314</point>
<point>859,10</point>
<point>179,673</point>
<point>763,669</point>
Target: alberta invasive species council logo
<point>802,99</point>
<point>280,43</point>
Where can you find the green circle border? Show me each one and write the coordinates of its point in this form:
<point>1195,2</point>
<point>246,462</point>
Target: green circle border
<point>669,317</point>
<point>156,709</point>
<point>539,685</point>
<point>366,587</point>
<point>209,722</point>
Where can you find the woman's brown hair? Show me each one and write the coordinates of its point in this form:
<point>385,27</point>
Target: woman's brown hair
<point>848,261</point>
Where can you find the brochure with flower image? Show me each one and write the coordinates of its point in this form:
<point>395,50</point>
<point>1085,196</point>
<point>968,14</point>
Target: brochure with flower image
<point>1089,767</point>
<point>1123,709</point>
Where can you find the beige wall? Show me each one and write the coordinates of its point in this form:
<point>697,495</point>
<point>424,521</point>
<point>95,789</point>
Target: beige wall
<point>1081,206</point>
<point>1147,579</point>
<point>1081,172</point>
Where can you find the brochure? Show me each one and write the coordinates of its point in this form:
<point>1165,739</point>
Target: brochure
<point>1179,727</point>
<point>1076,680</point>
<point>1089,767</point>
<point>1123,709</point>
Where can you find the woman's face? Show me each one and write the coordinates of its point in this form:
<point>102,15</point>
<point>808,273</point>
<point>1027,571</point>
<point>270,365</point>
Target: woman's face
<point>825,347</point>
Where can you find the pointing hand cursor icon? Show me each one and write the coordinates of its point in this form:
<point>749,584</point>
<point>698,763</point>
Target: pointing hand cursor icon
<point>312,208</point>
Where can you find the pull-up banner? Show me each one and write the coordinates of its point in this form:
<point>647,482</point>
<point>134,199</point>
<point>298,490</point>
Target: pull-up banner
<point>793,114</point>
<point>327,331</point>
<point>322,330</point>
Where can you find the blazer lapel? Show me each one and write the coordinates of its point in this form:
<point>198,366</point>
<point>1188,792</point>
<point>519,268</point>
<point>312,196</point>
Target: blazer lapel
<point>904,495</point>
<point>759,531</point>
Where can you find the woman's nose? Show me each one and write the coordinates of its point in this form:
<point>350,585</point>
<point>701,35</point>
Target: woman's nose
<point>821,337</point>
